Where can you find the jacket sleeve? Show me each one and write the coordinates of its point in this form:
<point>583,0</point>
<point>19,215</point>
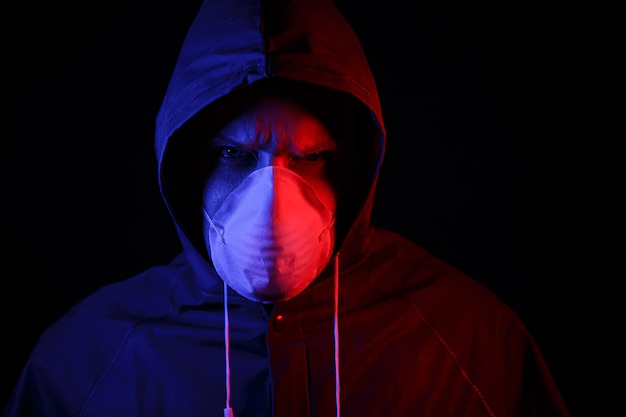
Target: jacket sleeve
<point>524,386</point>
<point>27,400</point>
<point>540,395</point>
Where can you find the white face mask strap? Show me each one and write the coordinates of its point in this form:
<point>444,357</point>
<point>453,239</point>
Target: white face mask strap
<point>327,229</point>
<point>218,231</point>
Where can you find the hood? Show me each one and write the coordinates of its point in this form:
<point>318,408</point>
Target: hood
<point>234,45</point>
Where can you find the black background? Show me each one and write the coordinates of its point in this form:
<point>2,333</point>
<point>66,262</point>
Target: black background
<point>505,158</point>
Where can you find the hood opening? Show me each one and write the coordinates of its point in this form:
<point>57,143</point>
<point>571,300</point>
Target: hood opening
<point>183,169</point>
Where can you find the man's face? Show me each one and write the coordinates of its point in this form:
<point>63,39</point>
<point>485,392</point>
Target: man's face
<point>273,132</point>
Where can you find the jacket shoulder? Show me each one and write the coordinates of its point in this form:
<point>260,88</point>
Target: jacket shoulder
<point>91,334</point>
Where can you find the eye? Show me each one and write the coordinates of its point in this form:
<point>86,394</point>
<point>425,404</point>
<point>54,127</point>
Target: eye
<point>236,157</point>
<point>317,156</point>
<point>230,152</point>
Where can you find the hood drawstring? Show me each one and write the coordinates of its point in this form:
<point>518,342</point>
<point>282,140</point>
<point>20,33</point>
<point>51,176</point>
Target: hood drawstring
<point>336,335</point>
<point>228,411</point>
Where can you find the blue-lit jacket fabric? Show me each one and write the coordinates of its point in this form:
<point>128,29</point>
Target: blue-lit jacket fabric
<point>416,336</point>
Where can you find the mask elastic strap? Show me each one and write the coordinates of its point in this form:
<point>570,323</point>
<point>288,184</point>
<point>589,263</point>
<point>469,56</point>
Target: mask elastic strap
<point>336,336</point>
<point>228,412</point>
<point>327,229</point>
<point>220,233</point>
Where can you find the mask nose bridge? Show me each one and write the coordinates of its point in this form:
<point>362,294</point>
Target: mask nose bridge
<point>281,160</point>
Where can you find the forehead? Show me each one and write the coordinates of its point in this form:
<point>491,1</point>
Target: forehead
<point>278,122</point>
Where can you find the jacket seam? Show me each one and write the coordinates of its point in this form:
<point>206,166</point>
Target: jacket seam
<point>182,109</point>
<point>454,357</point>
<point>106,371</point>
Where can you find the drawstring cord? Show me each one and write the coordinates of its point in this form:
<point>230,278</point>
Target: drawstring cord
<point>336,336</point>
<point>228,412</point>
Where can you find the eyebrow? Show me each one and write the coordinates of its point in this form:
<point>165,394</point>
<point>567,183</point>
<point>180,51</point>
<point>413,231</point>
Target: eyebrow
<point>226,140</point>
<point>318,147</point>
<point>319,141</point>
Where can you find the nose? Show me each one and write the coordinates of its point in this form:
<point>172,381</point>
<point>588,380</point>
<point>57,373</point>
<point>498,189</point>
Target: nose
<point>274,159</point>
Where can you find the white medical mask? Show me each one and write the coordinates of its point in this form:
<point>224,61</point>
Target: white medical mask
<point>271,236</point>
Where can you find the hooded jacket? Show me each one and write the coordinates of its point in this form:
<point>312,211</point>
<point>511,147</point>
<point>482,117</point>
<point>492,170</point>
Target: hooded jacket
<point>405,334</point>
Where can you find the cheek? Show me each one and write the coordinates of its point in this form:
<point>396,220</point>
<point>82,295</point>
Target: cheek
<point>325,185</point>
<point>327,195</point>
<point>217,187</point>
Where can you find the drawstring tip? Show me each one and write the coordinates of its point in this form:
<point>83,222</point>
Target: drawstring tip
<point>228,412</point>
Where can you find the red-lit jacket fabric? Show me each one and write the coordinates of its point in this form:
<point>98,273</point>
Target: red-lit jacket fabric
<point>416,336</point>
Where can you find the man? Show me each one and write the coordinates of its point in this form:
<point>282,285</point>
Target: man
<point>285,301</point>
